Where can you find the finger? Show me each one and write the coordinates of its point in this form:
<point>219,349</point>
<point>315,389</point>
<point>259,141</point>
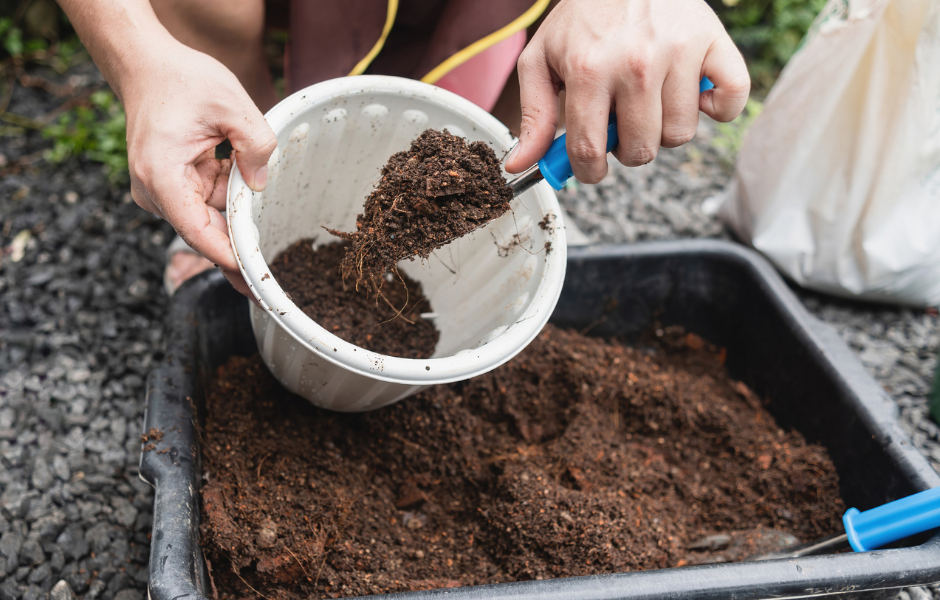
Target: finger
<point>253,141</point>
<point>202,227</point>
<point>219,195</point>
<point>144,200</point>
<point>218,198</point>
<point>238,282</point>
<point>680,101</point>
<point>587,109</point>
<point>725,66</point>
<point>639,120</point>
<point>539,101</point>
<point>213,175</point>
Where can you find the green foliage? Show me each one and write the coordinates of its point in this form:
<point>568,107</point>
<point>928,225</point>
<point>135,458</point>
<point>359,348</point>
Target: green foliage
<point>17,45</point>
<point>730,136</point>
<point>67,53</point>
<point>768,32</point>
<point>97,131</point>
<point>11,37</point>
<point>14,41</point>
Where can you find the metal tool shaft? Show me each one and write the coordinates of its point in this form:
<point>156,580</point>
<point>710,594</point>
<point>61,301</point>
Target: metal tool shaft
<point>526,180</point>
<point>825,545</point>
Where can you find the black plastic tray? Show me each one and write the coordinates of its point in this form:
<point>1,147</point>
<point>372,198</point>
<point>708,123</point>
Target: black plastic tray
<point>719,290</point>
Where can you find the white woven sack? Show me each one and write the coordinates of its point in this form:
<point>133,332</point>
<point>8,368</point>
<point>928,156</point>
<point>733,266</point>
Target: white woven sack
<point>838,181</point>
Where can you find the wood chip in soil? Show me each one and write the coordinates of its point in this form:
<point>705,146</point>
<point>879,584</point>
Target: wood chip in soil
<point>389,322</point>
<point>580,456</point>
<point>441,189</point>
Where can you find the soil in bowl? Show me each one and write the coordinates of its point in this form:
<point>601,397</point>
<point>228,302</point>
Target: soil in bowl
<point>389,322</point>
<point>440,189</point>
<point>579,456</point>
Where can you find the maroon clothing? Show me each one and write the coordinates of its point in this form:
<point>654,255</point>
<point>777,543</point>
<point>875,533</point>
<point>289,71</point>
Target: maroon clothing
<point>329,37</point>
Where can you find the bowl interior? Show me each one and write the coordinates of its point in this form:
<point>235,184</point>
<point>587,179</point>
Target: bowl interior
<point>329,157</point>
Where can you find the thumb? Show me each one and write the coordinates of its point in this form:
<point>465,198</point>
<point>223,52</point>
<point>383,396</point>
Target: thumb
<point>253,141</point>
<point>539,111</point>
<point>726,68</point>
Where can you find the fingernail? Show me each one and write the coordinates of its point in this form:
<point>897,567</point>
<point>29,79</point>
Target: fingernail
<point>513,152</point>
<point>261,179</point>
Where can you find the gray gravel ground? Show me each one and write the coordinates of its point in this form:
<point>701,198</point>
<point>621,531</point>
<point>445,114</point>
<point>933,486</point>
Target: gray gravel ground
<point>81,309</point>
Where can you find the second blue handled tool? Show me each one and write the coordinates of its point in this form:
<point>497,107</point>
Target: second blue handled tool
<point>555,168</point>
<point>892,521</point>
<point>876,527</point>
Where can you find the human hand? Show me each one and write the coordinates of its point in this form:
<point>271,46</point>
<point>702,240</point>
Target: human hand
<point>180,104</point>
<point>640,59</point>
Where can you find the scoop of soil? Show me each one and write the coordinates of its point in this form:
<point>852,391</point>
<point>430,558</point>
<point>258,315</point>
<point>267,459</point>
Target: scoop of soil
<point>580,456</point>
<point>389,323</point>
<point>440,189</point>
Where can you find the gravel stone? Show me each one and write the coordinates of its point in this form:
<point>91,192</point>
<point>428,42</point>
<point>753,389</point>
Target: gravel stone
<point>10,544</point>
<point>57,562</point>
<point>41,574</point>
<point>129,594</point>
<point>120,581</point>
<point>14,502</point>
<point>48,527</point>
<point>77,579</point>
<point>99,536</point>
<point>32,553</point>
<point>99,482</point>
<point>33,592</point>
<point>97,587</point>
<point>42,476</point>
<point>11,590</point>
<point>60,466</point>
<point>124,512</point>
<point>62,591</point>
<point>72,541</point>
<point>919,593</point>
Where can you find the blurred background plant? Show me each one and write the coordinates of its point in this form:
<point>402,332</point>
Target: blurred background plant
<point>729,137</point>
<point>96,130</point>
<point>768,33</point>
<point>38,48</point>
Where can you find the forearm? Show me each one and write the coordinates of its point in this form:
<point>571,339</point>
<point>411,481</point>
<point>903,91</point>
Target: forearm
<point>120,35</point>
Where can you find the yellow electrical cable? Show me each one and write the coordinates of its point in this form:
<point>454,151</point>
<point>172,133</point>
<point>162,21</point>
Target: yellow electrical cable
<point>526,19</point>
<point>363,64</point>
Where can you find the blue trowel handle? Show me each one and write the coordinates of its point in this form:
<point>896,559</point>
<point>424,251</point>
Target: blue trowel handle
<point>555,166</point>
<point>892,521</point>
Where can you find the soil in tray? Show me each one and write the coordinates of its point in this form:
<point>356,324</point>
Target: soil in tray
<point>440,189</point>
<point>389,322</point>
<point>579,456</point>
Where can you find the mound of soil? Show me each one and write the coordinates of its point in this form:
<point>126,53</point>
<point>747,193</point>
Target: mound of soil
<point>579,456</point>
<point>440,189</point>
<point>389,323</point>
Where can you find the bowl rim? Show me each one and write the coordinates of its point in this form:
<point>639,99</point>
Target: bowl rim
<point>275,304</point>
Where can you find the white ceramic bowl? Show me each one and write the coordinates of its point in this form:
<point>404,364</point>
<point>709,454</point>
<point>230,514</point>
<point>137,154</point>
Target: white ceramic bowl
<point>333,138</point>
